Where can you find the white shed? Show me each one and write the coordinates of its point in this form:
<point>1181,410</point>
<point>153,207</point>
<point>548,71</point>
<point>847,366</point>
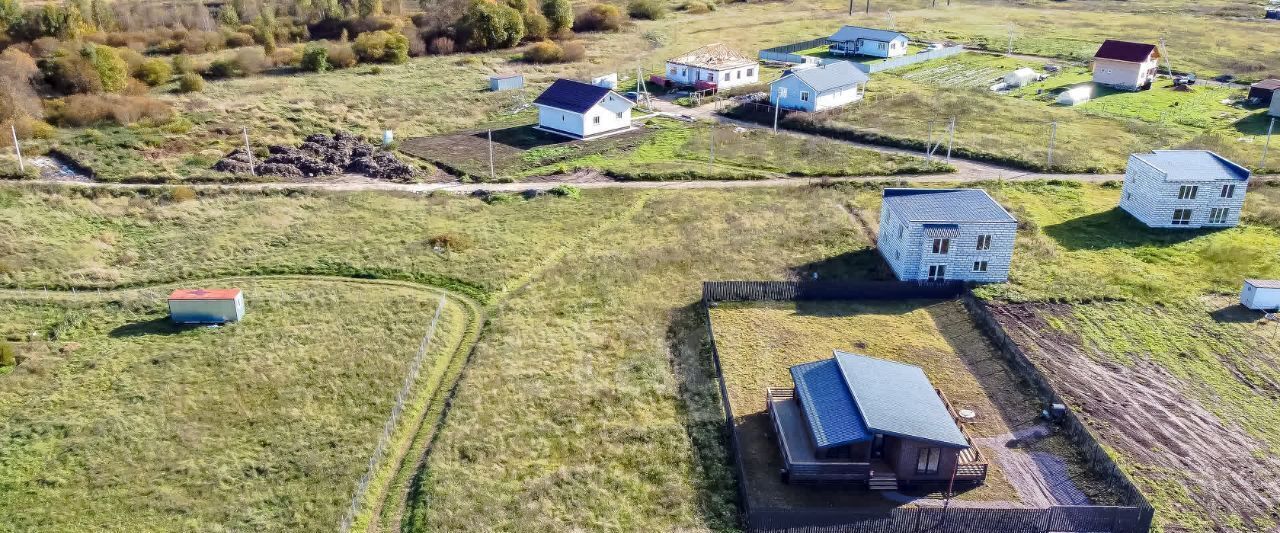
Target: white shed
<point>1020,77</point>
<point>1261,294</point>
<point>206,306</point>
<point>608,81</point>
<point>1076,95</point>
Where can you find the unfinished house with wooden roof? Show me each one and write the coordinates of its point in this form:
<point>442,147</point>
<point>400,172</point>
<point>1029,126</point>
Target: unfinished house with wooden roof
<point>1126,65</point>
<point>1184,189</point>
<point>712,67</point>
<point>858,419</point>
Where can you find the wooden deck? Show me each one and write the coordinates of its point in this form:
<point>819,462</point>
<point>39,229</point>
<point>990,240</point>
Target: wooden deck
<point>797,449</point>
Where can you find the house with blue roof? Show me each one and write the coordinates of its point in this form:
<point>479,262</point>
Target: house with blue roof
<point>581,110</point>
<point>860,41</point>
<point>946,235</point>
<point>819,88</point>
<point>1184,189</point>
<point>859,419</point>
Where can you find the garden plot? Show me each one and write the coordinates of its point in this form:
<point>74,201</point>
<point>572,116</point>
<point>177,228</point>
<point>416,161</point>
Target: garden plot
<point>956,75</point>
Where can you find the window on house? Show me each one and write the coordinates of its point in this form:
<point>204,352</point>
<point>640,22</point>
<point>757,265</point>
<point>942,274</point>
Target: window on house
<point>595,120</point>
<point>1228,191</point>
<point>881,46</point>
<point>1218,215</point>
<point>1128,196</point>
<point>1188,192</point>
<point>897,254</point>
<point>750,72</point>
<point>804,96</point>
<point>711,76</point>
<point>673,72</point>
<point>619,114</point>
<point>1181,217</point>
<point>927,460</point>
<point>984,242</point>
<point>726,76</point>
<point>941,246</point>
<point>902,230</point>
<point>979,266</point>
<point>937,272</point>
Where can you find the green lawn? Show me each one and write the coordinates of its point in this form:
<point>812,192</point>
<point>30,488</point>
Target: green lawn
<point>115,419</point>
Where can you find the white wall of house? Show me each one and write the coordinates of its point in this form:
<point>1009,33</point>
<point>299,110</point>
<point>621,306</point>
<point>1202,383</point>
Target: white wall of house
<point>724,79</point>
<point>610,114</point>
<point>867,47</point>
<point>1275,104</point>
<point>1260,298</point>
<point>801,97</point>
<point>909,252</point>
<point>1124,74</point>
<point>1152,200</point>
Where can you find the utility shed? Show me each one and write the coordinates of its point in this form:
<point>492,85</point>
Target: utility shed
<point>1020,77</point>
<point>1184,189</point>
<point>1076,95</point>
<point>505,82</point>
<point>1263,90</point>
<point>1261,294</point>
<point>946,234</point>
<point>206,306</point>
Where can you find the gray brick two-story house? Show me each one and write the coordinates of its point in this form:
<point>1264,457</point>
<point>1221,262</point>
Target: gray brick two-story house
<point>946,234</point>
<point>1184,189</point>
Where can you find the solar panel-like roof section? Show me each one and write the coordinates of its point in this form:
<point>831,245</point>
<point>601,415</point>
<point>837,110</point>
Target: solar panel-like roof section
<point>1194,165</point>
<point>945,205</point>
<point>831,76</point>
<point>571,95</point>
<point>1124,51</point>
<point>853,33</point>
<point>898,399</point>
<point>828,407</point>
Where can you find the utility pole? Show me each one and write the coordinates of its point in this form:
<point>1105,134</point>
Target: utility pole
<point>868,7</point>
<point>1261,165</point>
<point>248,151</point>
<point>782,93</point>
<point>851,8</point>
<point>951,137</point>
<point>1164,52</point>
<point>491,174</point>
<point>711,141</point>
<point>1053,134</point>
<point>23,168</point>
<point>928,146</point>
<point>1011,27</point>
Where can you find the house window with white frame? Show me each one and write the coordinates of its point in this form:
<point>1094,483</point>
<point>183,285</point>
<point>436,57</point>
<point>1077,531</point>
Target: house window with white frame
<point>937,272</point>
<point>1188,192</point>
<point>941,246</point>
<point>979,266</point>
<point>726,76</point>
<point>1181,217</point>
<point>1218,215</point>
<point>804,96</point>
<point>750,72</point>
<point>984,242</point>
<point>595,119</point>
<point>1228,191</point>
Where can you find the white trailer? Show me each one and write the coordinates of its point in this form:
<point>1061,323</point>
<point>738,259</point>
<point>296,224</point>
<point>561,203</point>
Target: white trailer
<point>1261,294</point>
<point>206,306</point>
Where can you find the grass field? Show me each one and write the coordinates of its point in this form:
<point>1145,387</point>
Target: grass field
<point>589,402</point>
<point>758,343</point>
<point>264,424</point>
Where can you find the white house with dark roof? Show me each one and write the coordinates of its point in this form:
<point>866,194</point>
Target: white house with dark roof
<point>714,66</point>
<point>581,110</point>
<point>1125,65</point>
<point>946,234</point>
<point>860,41</point>
<point>819,88</point>
<point>854,418</point>
<point>1184,189</point>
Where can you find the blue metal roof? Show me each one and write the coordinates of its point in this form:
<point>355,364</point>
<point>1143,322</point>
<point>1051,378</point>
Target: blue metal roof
<point>828,407</point>
<point>945,205</point>
<point>898,399</point>
<point>853,33</point>
<point>831,76</point>
<point>1194,165</point>
<point>571,95</point>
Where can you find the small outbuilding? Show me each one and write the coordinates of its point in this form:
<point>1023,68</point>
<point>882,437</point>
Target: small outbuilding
<point>581,110</point>
<point>819,88</point>
<point>1184,189</point>
<point>1262,91</point>
<point>1020,78</point>
<point>1275,104</point>
<point>1261,294</point>
<point>860,41</point>
<point>505,82</point>
<point>1076,95</point>
<point>206,306</point>
<point>713,67</point>
<point>1125,65</point>
<point>608,81</point>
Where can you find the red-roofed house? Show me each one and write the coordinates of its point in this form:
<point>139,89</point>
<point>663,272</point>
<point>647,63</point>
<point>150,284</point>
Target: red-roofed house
<point>1125,65</point>
<point>206,306</point>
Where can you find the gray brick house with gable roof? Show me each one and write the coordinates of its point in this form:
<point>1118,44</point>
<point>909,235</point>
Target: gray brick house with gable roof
<point>1184,189</point>
<point>946,234</point>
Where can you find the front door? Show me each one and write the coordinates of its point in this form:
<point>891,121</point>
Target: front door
<point>877,446</point>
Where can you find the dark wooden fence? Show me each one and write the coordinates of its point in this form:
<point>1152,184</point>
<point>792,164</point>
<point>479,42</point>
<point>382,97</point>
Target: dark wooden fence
<point>1136,517</point>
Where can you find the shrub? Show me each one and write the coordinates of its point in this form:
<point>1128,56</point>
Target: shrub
<point>488,26</point>
<point>182,64</point>
<point>646,9</point>
<point>315,58</point>
<point>698,8</point>
<point>224,68</point>
<point>450,241</point>
<point>237,39</point>
<point>88,109</point>
<point>112,70</point>
<point>566,191</point>
<point>8,356</point>
<point>286,56</point>
<point>574,51</point>
<point>559,15</point>
<point>131,58</point>
<point>382,47</point>
<point>228,16</point>
<point>190,83</point>
<point>250,61</point>
<point>181,194</point>
<point>441,45</point>
<point>599,17</point>
<point>536,27</point>
<point>341,55</point>
<point>544,52</point>
<point>155,72</point>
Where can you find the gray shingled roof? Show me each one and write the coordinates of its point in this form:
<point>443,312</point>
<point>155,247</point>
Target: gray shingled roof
<point>1194,165</point>
<point>831,76</point>
<point>853,33</point>
<point>945,205</point>
<point>1264,283</point>
<point>897,399</point>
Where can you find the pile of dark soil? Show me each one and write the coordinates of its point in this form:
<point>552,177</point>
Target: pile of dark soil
<point>320,155</point>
